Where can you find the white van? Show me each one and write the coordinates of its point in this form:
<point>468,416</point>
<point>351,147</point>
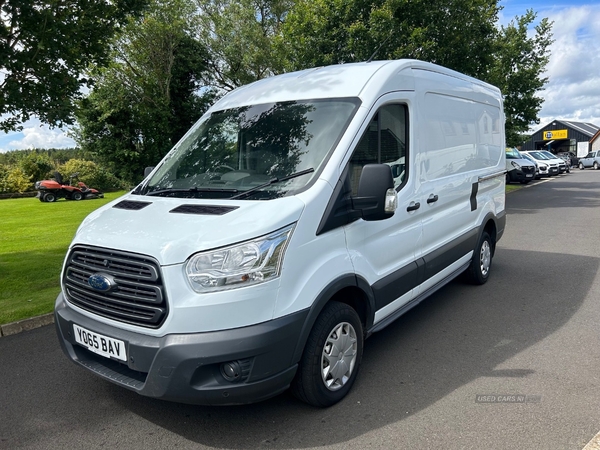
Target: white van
<point>299,215</point>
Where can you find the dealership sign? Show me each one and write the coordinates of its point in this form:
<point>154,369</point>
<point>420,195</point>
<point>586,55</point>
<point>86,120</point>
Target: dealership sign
<point>555,134</point>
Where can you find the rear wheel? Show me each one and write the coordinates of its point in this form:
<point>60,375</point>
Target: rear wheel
<point>331,358</point>
<point>481,264</point>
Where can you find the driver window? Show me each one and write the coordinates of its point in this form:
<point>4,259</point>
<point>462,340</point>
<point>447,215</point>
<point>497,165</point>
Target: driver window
<point>384,141</point>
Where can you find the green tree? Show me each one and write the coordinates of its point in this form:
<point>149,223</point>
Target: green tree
<point>45,47</point>
<point>147,98</point>
<point>519,62</point>
<point>36,165</point>
<point>241,39</point>
<point>458,34</point>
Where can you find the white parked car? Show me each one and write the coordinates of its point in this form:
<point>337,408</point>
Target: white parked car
<point>545,165</point>
<point>562,164</point>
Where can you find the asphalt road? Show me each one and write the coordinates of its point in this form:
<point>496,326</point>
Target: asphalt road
<point>512,364</point>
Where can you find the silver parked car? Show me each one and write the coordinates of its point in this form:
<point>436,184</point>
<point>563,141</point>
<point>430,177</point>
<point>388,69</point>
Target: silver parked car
<point>592,159</point>
<point>518,168</point>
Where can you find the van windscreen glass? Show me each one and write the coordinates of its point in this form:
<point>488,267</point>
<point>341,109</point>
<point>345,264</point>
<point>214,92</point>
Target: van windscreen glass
<point>271,149</point>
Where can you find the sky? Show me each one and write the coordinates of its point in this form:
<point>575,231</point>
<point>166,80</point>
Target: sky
<point>572,93</point>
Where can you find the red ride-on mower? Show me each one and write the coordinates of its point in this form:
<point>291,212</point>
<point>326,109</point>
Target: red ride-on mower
<point>52,190</point>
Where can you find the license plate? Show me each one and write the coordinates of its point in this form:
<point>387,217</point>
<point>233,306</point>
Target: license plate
<point>528,175</point>
<point>100,344</point>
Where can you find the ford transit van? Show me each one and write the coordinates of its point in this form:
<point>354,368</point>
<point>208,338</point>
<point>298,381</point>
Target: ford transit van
<point>298,216</point>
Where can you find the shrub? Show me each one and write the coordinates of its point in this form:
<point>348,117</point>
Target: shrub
<point>91,174</point>
<point>13,179</point>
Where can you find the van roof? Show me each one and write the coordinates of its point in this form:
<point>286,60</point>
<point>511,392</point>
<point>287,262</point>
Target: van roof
<point>336,81</point>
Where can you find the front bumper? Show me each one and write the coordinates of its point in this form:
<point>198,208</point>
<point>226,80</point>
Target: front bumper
<point>520,175</point>
<point>187,367</point>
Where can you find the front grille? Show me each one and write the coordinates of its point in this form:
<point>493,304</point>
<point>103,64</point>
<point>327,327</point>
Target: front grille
<point>528,169</point>
<point>136,294</point>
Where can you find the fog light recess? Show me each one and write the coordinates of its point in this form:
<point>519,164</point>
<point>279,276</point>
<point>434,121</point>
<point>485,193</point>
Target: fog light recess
<point>236,371</point>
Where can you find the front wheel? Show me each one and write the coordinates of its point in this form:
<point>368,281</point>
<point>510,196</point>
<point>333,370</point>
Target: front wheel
<point>581,166</point>
<point>481,264</point>
<point>77,196</point>
<point>331,358</point>
<point>49,197</point>
<point>595,165</point>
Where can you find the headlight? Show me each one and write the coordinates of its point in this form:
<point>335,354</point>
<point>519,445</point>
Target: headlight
<point>515,165</point>
<point>240,265</point>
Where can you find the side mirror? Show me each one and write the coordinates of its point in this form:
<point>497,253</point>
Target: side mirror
<point>148,170</point>
<point>376,199</point>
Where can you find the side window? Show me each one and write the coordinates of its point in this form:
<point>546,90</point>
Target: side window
<point>384,141</point>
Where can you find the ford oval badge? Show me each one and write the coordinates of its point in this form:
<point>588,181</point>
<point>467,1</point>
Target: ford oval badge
<point>102,282</point>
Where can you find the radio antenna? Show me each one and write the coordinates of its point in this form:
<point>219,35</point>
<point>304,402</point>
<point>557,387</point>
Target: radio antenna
<point>379,48</point>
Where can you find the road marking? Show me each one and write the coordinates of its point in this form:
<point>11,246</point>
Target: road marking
<point>594,444</point>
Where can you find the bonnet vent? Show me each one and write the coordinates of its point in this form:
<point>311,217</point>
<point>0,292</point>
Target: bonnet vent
<point>207,210</point>
<point>132,205</point>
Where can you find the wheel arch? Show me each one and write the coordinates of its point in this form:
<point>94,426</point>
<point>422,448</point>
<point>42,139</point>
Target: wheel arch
<point>490,225</point>
<point>350,289</point>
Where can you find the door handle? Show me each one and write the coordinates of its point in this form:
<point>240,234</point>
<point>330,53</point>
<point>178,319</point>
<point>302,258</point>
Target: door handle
<point>413,206</point>
<point>432,199</point>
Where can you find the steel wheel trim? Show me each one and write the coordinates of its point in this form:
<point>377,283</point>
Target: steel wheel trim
<point>339,356</point>
<point>485,258</point>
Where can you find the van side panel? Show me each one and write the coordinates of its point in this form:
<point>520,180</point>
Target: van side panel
<point>460,140</point>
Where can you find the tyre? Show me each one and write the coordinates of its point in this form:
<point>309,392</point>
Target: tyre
<point>77,196</point>
<point>49,197</point>
<point>481,264</point>
<point>507,178</point>
<point>331,358</point>
<point>595,165</point>
<point>581,166</point>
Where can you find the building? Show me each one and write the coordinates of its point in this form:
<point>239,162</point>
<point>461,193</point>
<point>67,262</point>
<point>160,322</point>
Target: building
<point>595,142</point>
<point>564,136</point>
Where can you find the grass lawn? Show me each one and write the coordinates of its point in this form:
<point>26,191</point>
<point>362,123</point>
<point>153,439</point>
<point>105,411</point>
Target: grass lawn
<point>34,238</point>
<point>514,187</point>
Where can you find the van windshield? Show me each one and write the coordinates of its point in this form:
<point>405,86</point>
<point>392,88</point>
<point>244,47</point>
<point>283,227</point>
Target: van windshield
<point>266,150</point>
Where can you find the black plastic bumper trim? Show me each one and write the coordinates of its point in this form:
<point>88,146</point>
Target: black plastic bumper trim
<point>186,367</point>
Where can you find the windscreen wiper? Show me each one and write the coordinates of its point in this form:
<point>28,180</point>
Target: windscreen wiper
<point>190,191</point>
<point>272,181</point>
